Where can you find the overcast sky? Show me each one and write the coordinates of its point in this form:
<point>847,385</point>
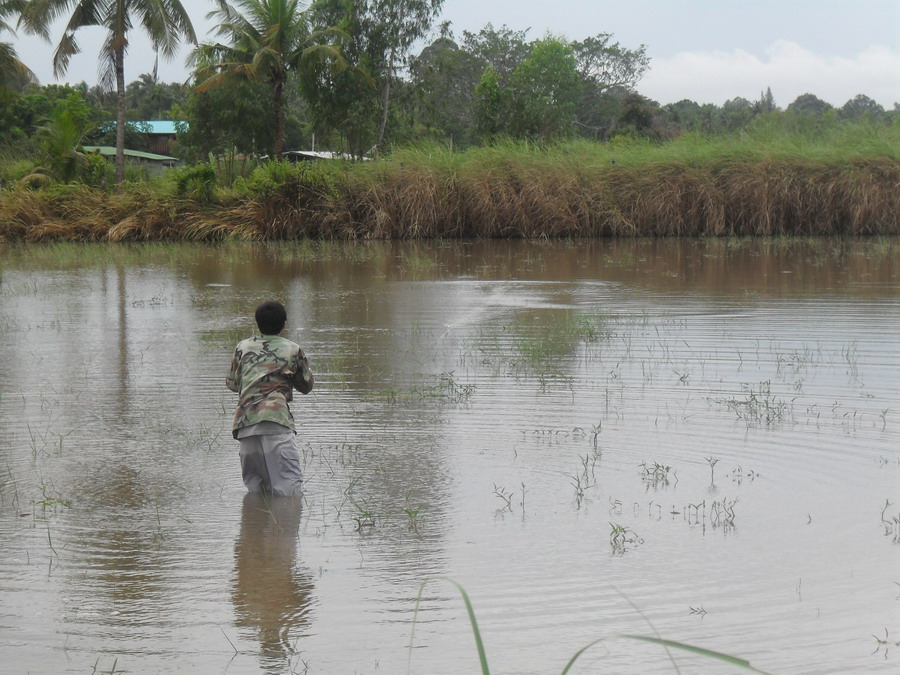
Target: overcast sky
<point>708,51</point>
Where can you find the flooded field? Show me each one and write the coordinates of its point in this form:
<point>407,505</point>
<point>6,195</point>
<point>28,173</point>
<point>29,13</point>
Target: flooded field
<point>695,440</point>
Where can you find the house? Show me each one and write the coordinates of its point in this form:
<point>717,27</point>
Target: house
<point>152,163</point>
<point>161,134</point>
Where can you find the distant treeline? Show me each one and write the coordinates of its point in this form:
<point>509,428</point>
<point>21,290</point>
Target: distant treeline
<point>771,179</point>
<point>463,92</point>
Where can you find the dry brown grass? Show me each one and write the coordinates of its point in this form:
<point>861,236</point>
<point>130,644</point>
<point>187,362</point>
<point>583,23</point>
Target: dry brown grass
<point>499,198</point>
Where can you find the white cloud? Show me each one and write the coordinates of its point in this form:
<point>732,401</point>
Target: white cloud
<point>786,67</point>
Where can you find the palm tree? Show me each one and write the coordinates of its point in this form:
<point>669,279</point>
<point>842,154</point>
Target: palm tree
<point>268,40</point>
<point>165,21</point>
<point>11,68</point>
<point>61,135</point>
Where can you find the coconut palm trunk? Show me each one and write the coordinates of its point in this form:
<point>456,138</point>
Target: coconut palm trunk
<point>120,113</point>
<point>277,92</point>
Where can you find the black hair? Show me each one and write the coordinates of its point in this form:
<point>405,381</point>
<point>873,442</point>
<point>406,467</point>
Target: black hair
<point>271,317</point>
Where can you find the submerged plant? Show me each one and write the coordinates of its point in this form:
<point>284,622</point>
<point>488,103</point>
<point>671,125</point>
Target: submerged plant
<point>50,497</point>
<point>412,513</point>
<point>885,643</point>
<point>891,523</point>
<point>722,512</point>
<point>364,517</point>
<point>656,475</point>
<point>504,495</point>
<point>759,405</point>
<point>620,537</point>
<point>712,461</point>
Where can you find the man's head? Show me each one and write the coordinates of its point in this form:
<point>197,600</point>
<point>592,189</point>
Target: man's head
<point>271,317</point>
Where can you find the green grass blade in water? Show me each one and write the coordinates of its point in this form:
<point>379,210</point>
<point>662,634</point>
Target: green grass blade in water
<point>482,656</point>
<point>478,643</point>
<point>727,658</point>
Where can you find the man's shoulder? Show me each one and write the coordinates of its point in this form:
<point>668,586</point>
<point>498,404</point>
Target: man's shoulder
<point>268,343</point>
<point>248,343</point>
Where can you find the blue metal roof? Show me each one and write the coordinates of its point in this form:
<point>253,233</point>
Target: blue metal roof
<point>164,127</point>
<point>161,126</point>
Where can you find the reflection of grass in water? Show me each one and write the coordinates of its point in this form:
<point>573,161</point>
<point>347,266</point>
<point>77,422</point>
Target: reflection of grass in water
<point>224,338</point>
<point>443,388</point>
<point>417,262</point>
<point>81,255</point>
<point>655,639</point>
<point>537,343</point>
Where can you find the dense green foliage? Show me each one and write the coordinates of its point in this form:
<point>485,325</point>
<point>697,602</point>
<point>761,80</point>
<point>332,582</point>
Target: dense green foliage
<point>342,75</point>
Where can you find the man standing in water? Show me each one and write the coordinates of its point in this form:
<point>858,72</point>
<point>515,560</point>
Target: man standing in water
<point>264,372</point>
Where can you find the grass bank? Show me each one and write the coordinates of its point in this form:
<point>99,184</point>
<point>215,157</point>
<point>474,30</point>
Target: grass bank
<point>769,181</point>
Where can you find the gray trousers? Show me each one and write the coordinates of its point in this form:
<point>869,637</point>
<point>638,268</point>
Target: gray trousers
<point>271,463</point>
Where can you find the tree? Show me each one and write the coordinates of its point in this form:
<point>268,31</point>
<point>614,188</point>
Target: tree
<point>148,99</point>
<point>165,21</point>
<point>396,25</point>
<point>861,106</point>
<point>443,79</point>
<point>503,49</point>
<point>736,113</point>
<point>269,40</point>
<point>766,102</point>
<point>608,72</point>
<point>345,104</point>
<point>808,103</point>
<point>358,103</point>
<point>60,136</point>
<point>607,65</point>
<point>490,105</point>
<point>686,114</point>
<point>11,68</point>
<point>21,116</point>
<point>232,119</point>
<point>544,91</point>
<point>641,117</point>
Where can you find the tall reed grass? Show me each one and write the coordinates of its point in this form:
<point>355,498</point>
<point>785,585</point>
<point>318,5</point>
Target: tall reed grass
<point>842,180</point>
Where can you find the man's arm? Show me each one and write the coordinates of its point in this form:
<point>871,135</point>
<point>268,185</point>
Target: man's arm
<point>303,377</point>
<point>233,379</point>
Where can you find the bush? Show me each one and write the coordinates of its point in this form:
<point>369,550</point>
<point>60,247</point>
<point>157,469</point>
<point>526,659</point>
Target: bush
<point>197,182</point>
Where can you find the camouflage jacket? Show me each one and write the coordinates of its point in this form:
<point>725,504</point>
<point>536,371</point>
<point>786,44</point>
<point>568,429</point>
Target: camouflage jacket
<point>264,372</point>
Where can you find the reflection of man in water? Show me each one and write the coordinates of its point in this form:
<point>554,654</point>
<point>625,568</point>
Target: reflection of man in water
<point>265,370</point>
<point>270,595</point>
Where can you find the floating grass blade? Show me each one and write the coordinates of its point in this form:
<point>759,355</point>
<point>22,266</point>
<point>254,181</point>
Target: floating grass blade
<point>727,658</point>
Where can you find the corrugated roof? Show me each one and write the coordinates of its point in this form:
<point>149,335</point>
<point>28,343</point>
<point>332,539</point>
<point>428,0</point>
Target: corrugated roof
<point>162,127</point>
<point>314,154</point>
<point>107,150</point>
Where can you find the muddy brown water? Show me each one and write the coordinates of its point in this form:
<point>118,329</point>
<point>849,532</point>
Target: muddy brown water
<point>693,439</point>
